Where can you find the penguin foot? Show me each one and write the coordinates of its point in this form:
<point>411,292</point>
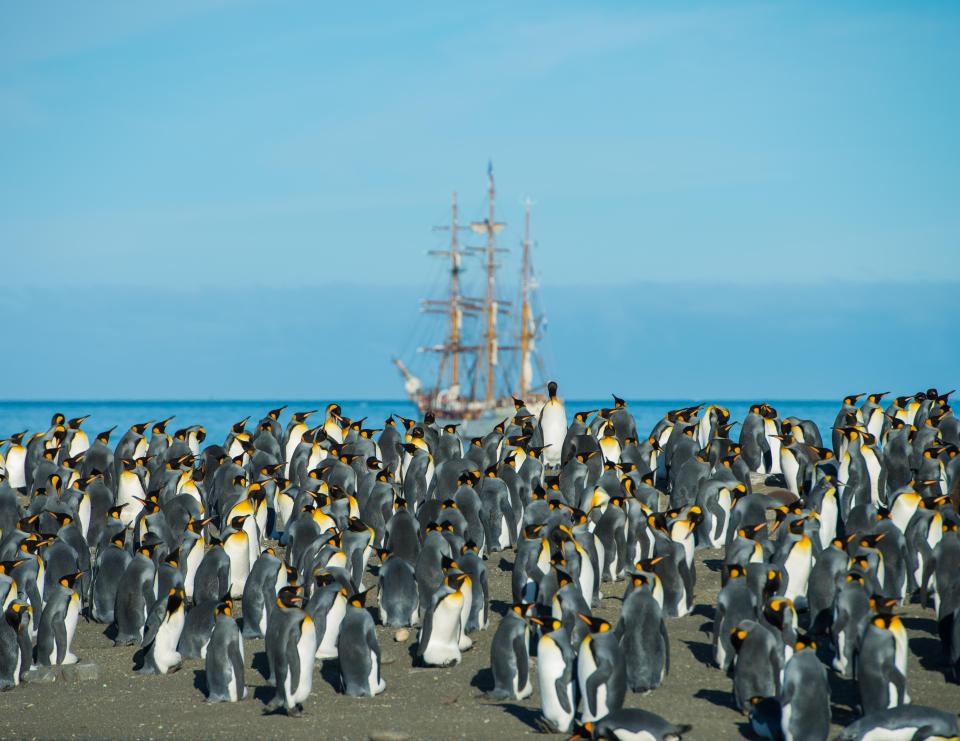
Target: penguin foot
<point>295,711</point>
<point>545,726</point>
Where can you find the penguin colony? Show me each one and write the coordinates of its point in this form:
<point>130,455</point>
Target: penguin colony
<point>168,542</point>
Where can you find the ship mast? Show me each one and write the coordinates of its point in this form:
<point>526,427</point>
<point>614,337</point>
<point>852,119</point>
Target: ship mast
<point>490,227</point>
<point>525,318</point>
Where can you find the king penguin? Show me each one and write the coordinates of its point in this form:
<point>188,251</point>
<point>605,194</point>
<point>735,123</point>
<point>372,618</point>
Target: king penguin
<point>224,660</point>
<point>291,643</point>
<point>162,634</point>
<point>553,426</point>
<point>359,651</point>
<point>509,656</point>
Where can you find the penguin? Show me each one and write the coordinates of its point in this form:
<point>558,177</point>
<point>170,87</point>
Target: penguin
<point>58,622</point>
<point>556,664</point>
<point>198,627</point>
<point>805,696</point>
<point>135,595</point>
<point>15,464</point>
<point>553,427</point>
<point>14,650</point>
<point>266,578</point>
<point>397,595</point>
<point>162,634</point>
<point>438,643</point>
<point>851,612</point>
<point>359,652</point>
<point>112,561</point>
<point>633,724</point>
<point>735,603</point>
<point>881,664</point>
<point>759,663</point>
<point>903,721</point>
<point>291,643</point>
<point>224,658</point>
<point>601,671</point>
<point>212,579</point>
<point>643,639</point>
<point>509,657</point>
<point>327,608</point>
<point>236,544</point>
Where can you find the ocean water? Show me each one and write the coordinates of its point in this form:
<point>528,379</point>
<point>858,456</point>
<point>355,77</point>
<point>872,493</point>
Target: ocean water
<point>219,416</point>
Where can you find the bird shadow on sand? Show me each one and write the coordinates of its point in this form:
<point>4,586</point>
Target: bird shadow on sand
<point>926,646</point>
<point>483,680</point>
<point>260,664</point>
<point>702,652</point>
<point>844,699</point>
<point>330,672</point>
<point>525,715</point>
<point>200,681</point>
<point>713,564</point>
<point>719,698</point>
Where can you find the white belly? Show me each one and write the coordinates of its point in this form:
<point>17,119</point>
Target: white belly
<point>129,491</point>
<point>375,682</point>
<point>306,649</point>
<point>444,645</point>
<point>327,649</point>
<point>16,466</point>
<point>70,623</point>
<point>165,654</point>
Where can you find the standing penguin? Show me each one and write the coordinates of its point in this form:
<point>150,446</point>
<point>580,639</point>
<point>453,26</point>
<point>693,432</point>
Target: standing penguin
<point>509,658</point>
<point>553,426</point>
<point>14,644</point>
<point>881,664</point>
<point>291,644</point>
<point>112,561</point>
<point>805,697</point>
<point>643,639</point>
<point>359,652</point>
<point>58,622</point>
<point>556,662</point>
<point>162,634</point>
<point>439,641</point>
<point>601,671</point>
<point>135,595</point>
<point>397,593</point>
<point>224,661</point>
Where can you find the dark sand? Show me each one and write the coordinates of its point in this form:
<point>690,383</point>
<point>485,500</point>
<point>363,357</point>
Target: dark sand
<point>422,703</point>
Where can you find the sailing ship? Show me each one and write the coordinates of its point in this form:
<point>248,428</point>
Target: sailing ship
<point>476,376</point>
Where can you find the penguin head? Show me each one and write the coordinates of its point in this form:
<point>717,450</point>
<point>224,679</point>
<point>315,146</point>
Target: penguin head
<point>469,546</point>
<point>647,565</point>
<point>882,605</point>
<point>805,643</point>
<point>17,611</point>
<point>176,599</point>
<point>597,625</point>
<point>147,550</point>
<point>870,542</point>
<point>584,416</point>
<point>521,609</point>
<point>70,580</point>
<point>224,608</point>
<point>552,389</point>
<point>290,596</point>
<point>735,572</point>
<point>140,428</point>
<point>581,731</point>
<point>640,580</point>
<point>359,599</point>
<point>448,564</point>
<point>737,637</point>
<point>8,567</point>
<point>779,611</point>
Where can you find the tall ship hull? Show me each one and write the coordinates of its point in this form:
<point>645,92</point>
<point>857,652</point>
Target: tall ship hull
<point>476,374</point>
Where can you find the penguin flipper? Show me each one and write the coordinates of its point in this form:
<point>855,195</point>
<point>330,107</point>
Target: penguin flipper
<point>520,656</point>
<point>236,660</point>
<point>425,629</point>
<point>666,647</point>
<point>293,661</point>
<point>560,687</point>
<point>60,639</point>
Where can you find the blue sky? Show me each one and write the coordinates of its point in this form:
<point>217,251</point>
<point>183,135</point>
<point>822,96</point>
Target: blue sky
<point>221,174</point>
